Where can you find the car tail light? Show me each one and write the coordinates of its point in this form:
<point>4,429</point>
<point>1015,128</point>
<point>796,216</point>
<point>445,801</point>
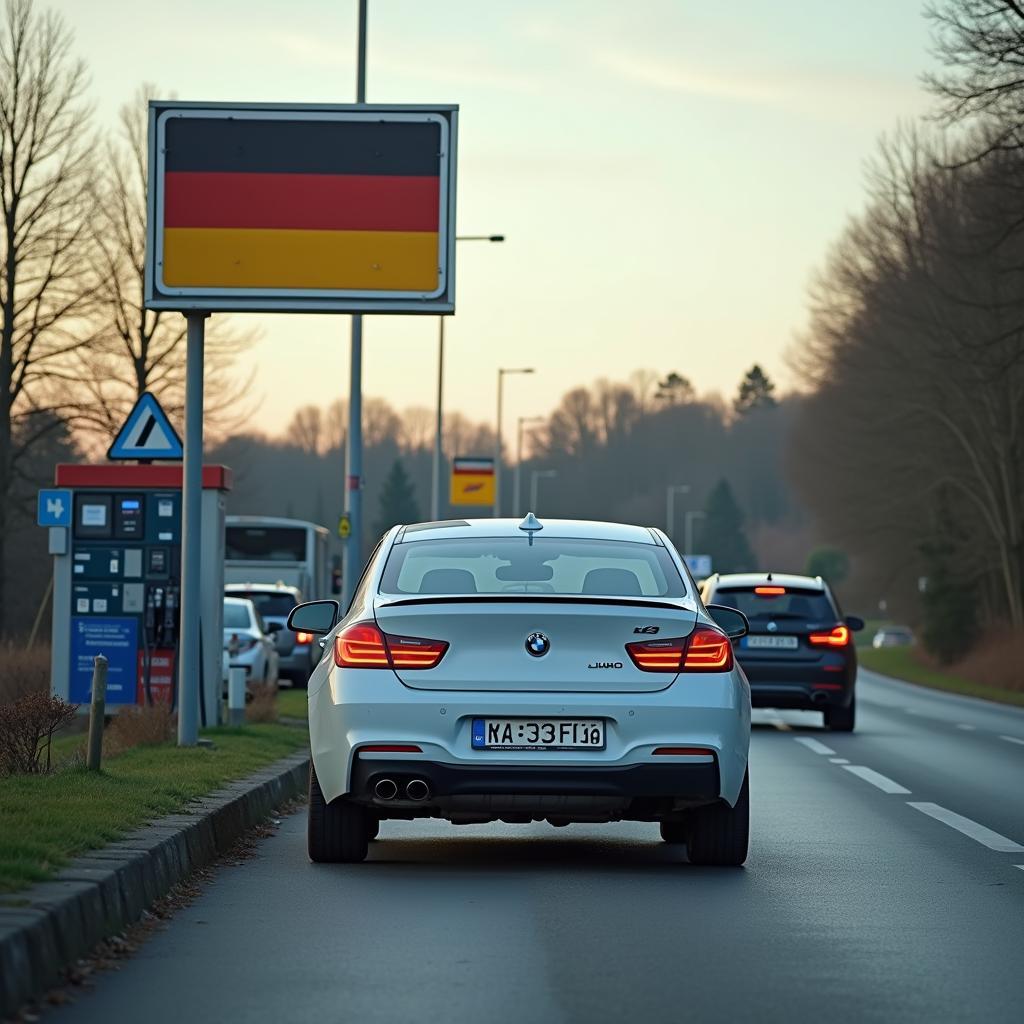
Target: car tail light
<point>303,638</point>
<point>704,650</point>
<point>769,591</point>
<point>708,651</point>
<point>684,751</point>
<point>838,637</point>
<point>658,655</point>
<point>364,645</point>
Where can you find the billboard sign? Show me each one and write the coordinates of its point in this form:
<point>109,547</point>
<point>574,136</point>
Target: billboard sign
<point>472,481</point>
<point>315,208</point>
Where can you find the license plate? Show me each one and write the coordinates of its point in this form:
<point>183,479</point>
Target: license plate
<point>538,734</point>
<point>789,643</point>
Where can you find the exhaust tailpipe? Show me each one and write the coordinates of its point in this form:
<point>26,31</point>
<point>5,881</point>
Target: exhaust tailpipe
<point>417,790</point>
<point>819,697</point>
<point>386,789</point>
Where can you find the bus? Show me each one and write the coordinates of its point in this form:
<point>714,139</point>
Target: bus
<point>267,549</point>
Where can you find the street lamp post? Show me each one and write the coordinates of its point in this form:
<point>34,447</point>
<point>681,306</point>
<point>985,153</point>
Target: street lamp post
<point>435,488</point>
<point>693,514</point>
<point>670,505</point>
<point>535,477</point>
<point>519,460</point>
<point>497,437</point>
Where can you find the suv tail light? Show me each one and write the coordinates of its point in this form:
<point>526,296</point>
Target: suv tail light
<point>704,650</point>
<point>303,638</point>
<point>838,637</point>
<point>364,645</point>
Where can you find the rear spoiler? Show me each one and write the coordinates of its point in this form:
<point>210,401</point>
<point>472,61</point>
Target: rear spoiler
<point>632,602</point>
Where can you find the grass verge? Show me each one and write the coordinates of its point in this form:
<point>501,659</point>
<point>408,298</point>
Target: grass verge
<point>293,703</point>
<point>45,820</point>
<point>902,663</point>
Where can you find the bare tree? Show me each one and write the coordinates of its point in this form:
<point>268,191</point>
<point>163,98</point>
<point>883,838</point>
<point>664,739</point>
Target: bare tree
<point>45,189</point>
<point>138,350</point>
<point>417,427</point>
<point>306,429</point>
<point>981,46</point>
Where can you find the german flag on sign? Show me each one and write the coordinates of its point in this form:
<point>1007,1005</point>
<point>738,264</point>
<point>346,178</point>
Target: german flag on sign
<point>317,204</point>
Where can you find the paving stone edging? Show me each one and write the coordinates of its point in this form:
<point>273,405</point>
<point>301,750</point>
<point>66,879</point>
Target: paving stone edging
<point>45,929</point>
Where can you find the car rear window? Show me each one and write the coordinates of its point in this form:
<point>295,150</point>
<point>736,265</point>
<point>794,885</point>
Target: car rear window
<point>273,604</point>
<point>236,616</point>
<point>794,603</point>
<point>497,565</point>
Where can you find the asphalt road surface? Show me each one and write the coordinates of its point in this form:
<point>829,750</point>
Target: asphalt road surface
<point>885,882</point>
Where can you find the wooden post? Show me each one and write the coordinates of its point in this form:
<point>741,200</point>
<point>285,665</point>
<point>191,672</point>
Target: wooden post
<point>97,709</point>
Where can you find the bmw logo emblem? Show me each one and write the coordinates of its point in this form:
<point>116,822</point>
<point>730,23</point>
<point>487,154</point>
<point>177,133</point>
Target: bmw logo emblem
<point>538,645</point>
<point>772,627</point>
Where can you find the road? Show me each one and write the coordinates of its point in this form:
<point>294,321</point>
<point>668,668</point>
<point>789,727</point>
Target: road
<point>862,900</point>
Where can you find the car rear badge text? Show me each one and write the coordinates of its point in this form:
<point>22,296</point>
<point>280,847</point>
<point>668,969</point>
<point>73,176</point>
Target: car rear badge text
<point>605,664</point>
<point>646,629</point>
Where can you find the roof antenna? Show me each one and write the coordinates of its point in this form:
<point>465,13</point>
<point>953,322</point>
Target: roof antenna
<point>769,577</point>
<point>531,524</point>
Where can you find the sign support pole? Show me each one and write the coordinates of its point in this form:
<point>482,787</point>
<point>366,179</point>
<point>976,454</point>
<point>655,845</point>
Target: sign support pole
<point>354,477</point>
<point>191,539</point>
<point>435,488</point>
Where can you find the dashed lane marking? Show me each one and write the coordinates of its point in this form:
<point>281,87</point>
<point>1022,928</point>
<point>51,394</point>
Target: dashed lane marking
<point>1013,739</point>
<point>885,784</point>
<point>971,829</point>
<point>812,744</point>
<point>839,760</point>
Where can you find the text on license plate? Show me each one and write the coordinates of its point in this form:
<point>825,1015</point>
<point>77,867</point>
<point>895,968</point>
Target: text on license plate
<point>538,734</point>
<point>785,642</point>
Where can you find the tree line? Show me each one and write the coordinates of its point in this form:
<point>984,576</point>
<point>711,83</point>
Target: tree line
<point>909,445</point>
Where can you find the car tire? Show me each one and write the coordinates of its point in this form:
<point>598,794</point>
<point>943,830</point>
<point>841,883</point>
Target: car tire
<point>674,831</point>
<point>337,832</point>
<point>719,835</point>
<point>840,719</point>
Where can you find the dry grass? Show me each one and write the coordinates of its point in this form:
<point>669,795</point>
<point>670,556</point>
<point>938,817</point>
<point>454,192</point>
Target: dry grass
<point>23,671</point>
<point>997,662</point>
<point>138,727</point>
<point>263,706</point>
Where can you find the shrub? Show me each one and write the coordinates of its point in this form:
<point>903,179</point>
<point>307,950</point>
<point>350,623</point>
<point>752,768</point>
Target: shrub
<point>22,671</point>
<point>263,705</point>
<point>139,726</point>
<point>26,730</point>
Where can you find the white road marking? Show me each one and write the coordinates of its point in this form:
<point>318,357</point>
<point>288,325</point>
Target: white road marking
<point>839,760</point>
<point>886,785</point>
<point>1021,866</point>
<point>968,728</point>
<point>971,829</point>
<point>1013,739</point>
<point>812,744</point>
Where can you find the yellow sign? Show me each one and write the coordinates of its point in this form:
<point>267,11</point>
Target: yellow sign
<point>344,526</point>
<point>473,481</point>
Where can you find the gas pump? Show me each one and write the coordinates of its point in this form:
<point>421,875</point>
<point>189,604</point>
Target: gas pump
<point>117,584</point>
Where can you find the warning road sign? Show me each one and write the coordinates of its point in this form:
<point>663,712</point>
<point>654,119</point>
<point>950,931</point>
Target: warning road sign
<point>473,481</point>
<point>146,434</point>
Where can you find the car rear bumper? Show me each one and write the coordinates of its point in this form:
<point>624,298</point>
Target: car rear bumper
<point>356,708</point>
<point>692,782</point>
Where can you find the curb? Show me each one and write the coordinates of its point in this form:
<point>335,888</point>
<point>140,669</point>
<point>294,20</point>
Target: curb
<point>45,929</point>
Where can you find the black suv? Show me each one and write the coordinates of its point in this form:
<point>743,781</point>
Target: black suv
<point>799,652</point>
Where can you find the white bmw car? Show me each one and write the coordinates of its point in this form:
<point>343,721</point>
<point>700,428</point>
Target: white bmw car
<point>525,671</point>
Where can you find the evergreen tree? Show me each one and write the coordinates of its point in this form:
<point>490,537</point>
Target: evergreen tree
<point>831,564</point>
<point>397,499</point>
<point>722,535</point>
<point>755,391</point>
<point>675,390</point>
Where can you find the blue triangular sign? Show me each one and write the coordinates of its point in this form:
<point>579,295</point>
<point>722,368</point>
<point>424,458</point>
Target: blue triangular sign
<point>146,434</point>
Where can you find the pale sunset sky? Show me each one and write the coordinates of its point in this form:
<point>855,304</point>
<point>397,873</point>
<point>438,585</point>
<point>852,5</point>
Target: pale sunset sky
<point>668,173</point>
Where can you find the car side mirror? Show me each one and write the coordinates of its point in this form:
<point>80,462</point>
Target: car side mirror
<point>274,627</point>
<point>731,620</point>
<point>855,623</point>
<point>315,617</point>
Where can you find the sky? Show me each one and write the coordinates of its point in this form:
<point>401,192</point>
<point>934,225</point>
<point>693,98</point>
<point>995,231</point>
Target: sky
<point>668,173</point>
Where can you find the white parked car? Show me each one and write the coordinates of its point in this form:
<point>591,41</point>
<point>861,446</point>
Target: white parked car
<point>893,636</point>
<point>522,671</point>
<point>247,641</point>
